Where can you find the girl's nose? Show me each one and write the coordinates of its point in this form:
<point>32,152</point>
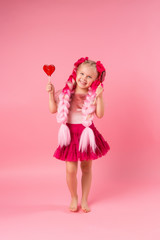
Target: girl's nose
<point>84,78</point>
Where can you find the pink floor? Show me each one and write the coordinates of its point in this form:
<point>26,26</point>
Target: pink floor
<point>34,205</point>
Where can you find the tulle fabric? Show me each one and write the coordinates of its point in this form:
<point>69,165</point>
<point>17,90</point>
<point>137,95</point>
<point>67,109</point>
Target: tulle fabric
<point>72,153</point>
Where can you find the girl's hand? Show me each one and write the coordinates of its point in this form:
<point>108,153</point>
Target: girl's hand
<point>50,88</point>
<point>99,91</point>
<point>100,104</point>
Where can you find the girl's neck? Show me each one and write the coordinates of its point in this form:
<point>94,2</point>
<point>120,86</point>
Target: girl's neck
<point>80,90</point>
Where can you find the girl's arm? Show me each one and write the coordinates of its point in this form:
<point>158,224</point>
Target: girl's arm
<point>52,102</point>
<point>99,103</point>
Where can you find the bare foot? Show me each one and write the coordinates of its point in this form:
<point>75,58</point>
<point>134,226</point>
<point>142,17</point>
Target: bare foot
<point>85,207</point>
<point>74,204</point>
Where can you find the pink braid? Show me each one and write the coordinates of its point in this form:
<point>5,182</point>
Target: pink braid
<point>87,136</point>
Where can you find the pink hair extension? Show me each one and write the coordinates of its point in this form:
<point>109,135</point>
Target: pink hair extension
<point>63,106</point>
<point>64,137</point>
<point>88,108</point>
<point>87,136</point>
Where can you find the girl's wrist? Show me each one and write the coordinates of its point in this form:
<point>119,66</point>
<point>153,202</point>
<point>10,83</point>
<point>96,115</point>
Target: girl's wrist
<point>51,93</point>
<point>51,96</point>
<point>100,96</point>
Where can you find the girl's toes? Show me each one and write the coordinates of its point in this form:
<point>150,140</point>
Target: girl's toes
<point>85,207</point>
<point>86,210</point>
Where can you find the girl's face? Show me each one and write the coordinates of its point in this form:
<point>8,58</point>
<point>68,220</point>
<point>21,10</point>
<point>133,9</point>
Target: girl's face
<point>86,74</point>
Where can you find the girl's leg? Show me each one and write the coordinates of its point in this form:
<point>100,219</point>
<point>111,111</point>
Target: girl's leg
<point>71,177</point>
<point>86,167</point>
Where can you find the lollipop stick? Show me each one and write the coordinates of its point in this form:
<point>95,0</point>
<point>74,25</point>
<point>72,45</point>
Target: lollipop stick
<point>49,79</point>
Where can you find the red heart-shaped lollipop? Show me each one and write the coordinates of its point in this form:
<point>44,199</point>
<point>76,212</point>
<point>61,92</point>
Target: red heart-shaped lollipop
<point>49,69</point>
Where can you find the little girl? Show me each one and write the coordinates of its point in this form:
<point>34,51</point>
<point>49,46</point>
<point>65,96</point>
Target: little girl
<point>78,139</point>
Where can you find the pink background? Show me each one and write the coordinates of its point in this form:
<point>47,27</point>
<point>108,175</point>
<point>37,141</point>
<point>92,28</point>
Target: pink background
<point>124,35</point>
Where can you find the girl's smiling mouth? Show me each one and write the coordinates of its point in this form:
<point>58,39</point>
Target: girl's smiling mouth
<point>82,82</point>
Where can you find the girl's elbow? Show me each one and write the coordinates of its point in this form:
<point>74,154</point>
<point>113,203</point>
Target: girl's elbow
<point>53,110</point>
<point>100,115</point>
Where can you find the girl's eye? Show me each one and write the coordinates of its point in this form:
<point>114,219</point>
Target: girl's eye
<point>81,73</point>
<point>89,77</point>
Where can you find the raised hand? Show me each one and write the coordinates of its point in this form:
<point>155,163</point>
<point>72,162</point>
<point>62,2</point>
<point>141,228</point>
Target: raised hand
<point>50,88</point>
<point>99,91</point>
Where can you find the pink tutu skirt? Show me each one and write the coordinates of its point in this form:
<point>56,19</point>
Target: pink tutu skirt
<point>72,153</point>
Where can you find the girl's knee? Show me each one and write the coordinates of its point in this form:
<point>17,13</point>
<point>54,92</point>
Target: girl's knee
<point>71,168</point>
<point>86,166</point>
